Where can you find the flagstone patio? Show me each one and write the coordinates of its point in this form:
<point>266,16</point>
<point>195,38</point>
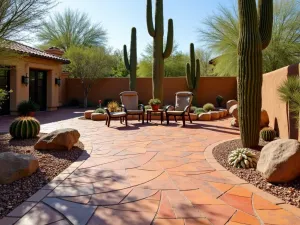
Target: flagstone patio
<point>149,174</point>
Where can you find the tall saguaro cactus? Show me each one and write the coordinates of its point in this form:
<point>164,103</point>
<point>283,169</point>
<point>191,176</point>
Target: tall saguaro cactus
<point>255,35</point>
<point>193,73</point>
<point>158,54</point>
<point>131,67</point>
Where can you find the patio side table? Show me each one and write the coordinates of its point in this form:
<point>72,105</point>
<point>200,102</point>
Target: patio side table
<point>150,112</point>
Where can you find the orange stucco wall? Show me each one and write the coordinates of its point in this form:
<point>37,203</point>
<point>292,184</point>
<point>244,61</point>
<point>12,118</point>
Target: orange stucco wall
<point>280,117</point>
<point>21,67</point>
<point>109,88</point>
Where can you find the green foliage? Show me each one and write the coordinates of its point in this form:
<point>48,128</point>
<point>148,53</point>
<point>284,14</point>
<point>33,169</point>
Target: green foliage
<point>219,100</point>
<point>113,106</point>
<point>154,101</point>
<point>148,107</point>
<point>71,28</point>
<point>242,158</point>
<point>118,68</point>
<point>267,134</point>
<point>24,127</point>
<point>192,109</point>
<point>221,33</point>
<point>209,107</point>
<point>3,96</point>
<point>100,110</point>
<point>25,107</point>
<point>198,111</point>
<point>132,65</point>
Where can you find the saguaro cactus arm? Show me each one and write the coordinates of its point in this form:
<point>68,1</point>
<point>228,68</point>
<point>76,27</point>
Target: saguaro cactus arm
<point>150,25</point>
<point>197,78</point>
<point>189,77</point>
<point>126,61</point>
<point>169,46</point>
<point>265,21</point>
<point>192,61</point>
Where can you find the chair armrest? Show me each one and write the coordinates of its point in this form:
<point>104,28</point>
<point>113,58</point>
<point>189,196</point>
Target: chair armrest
<point>187,108</point>
<point>142,106</point>
<point>123,107</point>
<point>107,111</point>
<point>167,107</point>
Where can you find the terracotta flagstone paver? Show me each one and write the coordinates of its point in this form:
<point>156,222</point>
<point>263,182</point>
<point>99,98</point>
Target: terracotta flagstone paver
<point>149,175</point>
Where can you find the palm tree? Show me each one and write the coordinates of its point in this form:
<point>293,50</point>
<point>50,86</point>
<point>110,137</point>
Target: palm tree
<point>221,34</point>
<point>71,28</point>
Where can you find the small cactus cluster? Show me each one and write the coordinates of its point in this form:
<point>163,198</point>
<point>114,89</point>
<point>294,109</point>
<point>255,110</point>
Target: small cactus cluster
<point>267,134</point>
<point>242,158</point>
<point>24,127</point>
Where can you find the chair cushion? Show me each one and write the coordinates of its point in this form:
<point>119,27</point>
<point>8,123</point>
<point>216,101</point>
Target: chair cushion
<point>131,112</point>
<point>175,113</point>
<point>117,114</point>
<point>183,99</point>
<point>130,100</point>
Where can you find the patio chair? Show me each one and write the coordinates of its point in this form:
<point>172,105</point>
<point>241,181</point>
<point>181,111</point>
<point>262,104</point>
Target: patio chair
<point>182,106</point>
<point>110,115</point>
<point>130,103</point>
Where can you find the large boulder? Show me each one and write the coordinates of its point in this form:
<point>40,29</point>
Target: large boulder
<point>62,139</point>
<point>264,118</point>
<point>234,111</point>
<point>231,103</point>
<point>16,166</point>
<point>279,161</point>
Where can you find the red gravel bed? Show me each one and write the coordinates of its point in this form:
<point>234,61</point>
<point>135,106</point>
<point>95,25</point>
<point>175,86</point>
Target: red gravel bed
<point>51,163</point>
<point>288,192</point>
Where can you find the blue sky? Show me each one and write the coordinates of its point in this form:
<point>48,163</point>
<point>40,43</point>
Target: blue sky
<point>119,16</point>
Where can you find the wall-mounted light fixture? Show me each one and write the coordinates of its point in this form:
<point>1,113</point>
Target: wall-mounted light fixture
<point>25,79</point>
<point>57,81</point>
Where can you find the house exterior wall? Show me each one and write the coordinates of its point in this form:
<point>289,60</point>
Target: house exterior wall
<point>21,67</point>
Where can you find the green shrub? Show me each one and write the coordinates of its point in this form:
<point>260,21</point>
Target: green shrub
<point>154,101</point>
<point>24,127</point>
<point>100,110</point>
<point>113,106</point>
<point>192,109</point>
<point>267,134</point>
<point>199,111</point>
<point>208,107</point>
<point>25,107</point>
<point>242,158</point>
<point>219,100</point>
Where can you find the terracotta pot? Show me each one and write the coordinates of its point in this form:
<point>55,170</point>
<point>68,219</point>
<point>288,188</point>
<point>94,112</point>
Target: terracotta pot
<point>155,107</point>
<point>31,114</point>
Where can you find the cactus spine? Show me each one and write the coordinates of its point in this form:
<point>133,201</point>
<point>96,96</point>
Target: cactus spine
<point>193,73</point>
<point>24,127</point>
<point>242,158</point>
<point>253,39</point>
<point>131,66</point>
<point>158,54</point>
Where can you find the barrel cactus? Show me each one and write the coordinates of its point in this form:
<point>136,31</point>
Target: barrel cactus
<point>255,31</point>
<point>159,55</point>
<point>242,158</point>
<point>24,127</point>
<point>267,134</point>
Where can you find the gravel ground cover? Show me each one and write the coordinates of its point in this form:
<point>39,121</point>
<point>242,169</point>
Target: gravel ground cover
<point>52,163</point>
<point>288,192</point>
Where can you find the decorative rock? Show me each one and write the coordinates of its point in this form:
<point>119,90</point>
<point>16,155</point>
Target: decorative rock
<point>234,122</point>
<point>215,115</point>
<point>264,118</point>
<point>98,116</point>
<point>279,161</point>
<point>16,166</point>
<point>204,117</point>
<point>231,103</point>
<point>62,139</point>
<point>88,114</point>
<point>234,111</point>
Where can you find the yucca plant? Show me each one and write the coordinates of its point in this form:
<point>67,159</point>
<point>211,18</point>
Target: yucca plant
<point>242,158</point>
<point>24,127</point>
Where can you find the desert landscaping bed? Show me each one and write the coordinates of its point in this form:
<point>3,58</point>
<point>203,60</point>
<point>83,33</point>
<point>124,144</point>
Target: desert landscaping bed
<point>51,162</point>
<point>288,192</point>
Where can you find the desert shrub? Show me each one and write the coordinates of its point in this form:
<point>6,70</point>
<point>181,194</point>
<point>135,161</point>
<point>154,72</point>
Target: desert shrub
<point>113,106</point>
<point>25,107</point>
<point>100,110</point>
<point>24,127</point>
<point>192,109</point>
<point>199,111</point>
<point>208,107</point>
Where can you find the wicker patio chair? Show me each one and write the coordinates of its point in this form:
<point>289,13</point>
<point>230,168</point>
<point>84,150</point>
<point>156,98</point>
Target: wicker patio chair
<point>130,103</point>
<point>182,106</point>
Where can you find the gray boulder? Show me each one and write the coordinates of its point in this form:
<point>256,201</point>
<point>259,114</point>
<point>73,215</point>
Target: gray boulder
<point>62,139</point>
<point>16,166</point>
<point>279,161</point>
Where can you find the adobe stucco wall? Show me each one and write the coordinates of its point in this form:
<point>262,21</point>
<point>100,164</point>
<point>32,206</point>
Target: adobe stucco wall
<point>280,118</point>
<point>110,88</point>
<point>22,65</point>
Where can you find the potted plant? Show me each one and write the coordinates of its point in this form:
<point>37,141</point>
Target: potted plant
<point>27,108</point>
<point>155,103</point>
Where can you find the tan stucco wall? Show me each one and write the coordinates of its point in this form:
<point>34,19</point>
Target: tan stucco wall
<point>22,66</point>
<point>280,117</point>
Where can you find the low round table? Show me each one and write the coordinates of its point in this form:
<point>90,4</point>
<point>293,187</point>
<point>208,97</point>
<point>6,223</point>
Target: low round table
<point>150,112</point>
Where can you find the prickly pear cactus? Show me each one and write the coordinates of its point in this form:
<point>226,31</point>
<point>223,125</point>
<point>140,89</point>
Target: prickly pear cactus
<point>242,158</point>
